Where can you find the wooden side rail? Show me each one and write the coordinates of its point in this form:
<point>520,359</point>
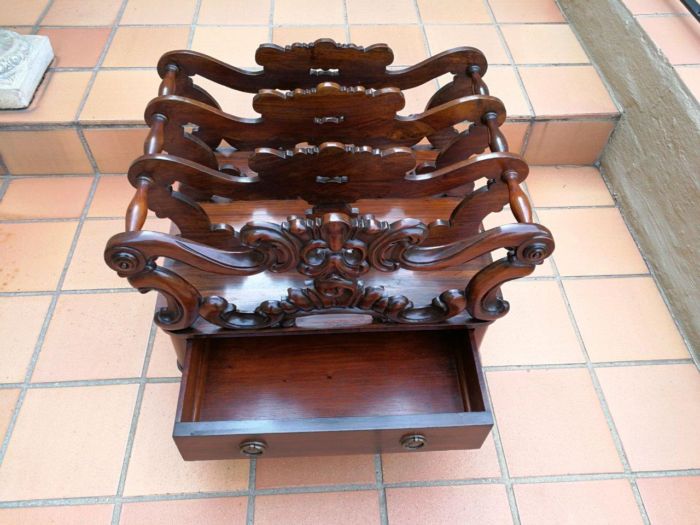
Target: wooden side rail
<point>281,248</point>
<point>305,65</point>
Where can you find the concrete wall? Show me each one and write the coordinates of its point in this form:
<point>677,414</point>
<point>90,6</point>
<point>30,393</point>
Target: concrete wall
<point>652,162</point>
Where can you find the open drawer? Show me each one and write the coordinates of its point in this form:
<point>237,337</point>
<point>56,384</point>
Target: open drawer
<point>336,392</point>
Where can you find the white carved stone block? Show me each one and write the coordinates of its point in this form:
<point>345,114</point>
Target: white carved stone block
<point>23,61</point>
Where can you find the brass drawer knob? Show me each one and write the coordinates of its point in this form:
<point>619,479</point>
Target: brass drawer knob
<point>252,448</point>
<point>413,441</point>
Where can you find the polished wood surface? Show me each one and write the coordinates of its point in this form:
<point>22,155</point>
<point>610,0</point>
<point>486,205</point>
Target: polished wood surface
<point>357,392</point>
<point>327,277</point>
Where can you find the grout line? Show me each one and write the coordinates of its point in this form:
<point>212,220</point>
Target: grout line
<point>134,124</point>
<point>270,20</point>
<point>504,43</point>
<point>193,25</point>
<point>100,60</point>
<point>503,463</point>
<point>117,509</point>
<point>381,490</point>
<point>521,480</point>
<point>688,346</point>
<point>4,185</point>
<point>45,325</point>
<point>617,441</point>
<point>42,15</point>
<point>347,22</point>
<point>490,368</point>
<point>252,480</point>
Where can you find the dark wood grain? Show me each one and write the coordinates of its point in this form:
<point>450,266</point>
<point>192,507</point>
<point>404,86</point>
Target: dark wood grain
<point>327,278</point>
<point>371,387</point>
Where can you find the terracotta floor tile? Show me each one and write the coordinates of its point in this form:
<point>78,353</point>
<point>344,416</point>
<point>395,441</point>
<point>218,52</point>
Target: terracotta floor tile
<point>670,501</point>
<point>482,504</point>
<point>115,149</point>
<point>406,41</point>
<point>8,400</point>
<point>284,36</point>
<point>143,46</point>
<point>309,11</point>
<point>68,442</point>
<point>503,83</point>
<point>567,91</point>
<point>536,308</point>
<point>33,255</point>
<point>158,12</point>
<point>526,11</point>
<point>88,269</point>
<point>21,319</point>
<point>656,410</point>
<point>444,37</point>
<point>156,466</point>
<point>554,186</point>
<point>650,7</point>
<point>370,12</point>
<point>635,305</point>
<point>210,511</point>
<point>584,503</point>
<point>81,13</point>
<point>63,515</point>
<point>572,142</point>
<point>677,36</point>
<point>76,46</point>
<point>231,101</point>
<point>112,196</point>
<point>418,97</point>
<point>448,465</point>
<point>54,198</point>
<point>234,45</point>
<point>314,471</point>
<point>691,77</point>
<point>239,12</point>
<point>592,241</point>
<point>551,422</point>
<point>453,12</point>
<point>515,134</point>
<point>163,360</point>
<point>21,12</point>
<point>346,508</point>
<point>107,103</point>
<point>544,44</point>
<point>56,100</point>
<point>43,152</point>
<point>87,338</point>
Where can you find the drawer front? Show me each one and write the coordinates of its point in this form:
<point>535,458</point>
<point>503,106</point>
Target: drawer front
<point>411,434</point>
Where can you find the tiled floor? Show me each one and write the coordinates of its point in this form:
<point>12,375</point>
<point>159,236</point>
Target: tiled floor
<point>596,398</point>
<point>675,32</point>
<point>106,52</point>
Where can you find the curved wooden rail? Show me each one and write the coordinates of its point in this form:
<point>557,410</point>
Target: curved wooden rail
<point>304,65</point>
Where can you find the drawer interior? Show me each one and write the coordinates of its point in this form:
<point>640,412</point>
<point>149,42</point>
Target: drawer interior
<point>331,375</point>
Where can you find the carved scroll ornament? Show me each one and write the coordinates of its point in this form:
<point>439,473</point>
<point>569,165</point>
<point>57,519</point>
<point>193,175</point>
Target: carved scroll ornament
<point>335,251</point>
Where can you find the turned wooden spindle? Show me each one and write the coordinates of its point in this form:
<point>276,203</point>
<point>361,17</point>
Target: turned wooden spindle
<point>156,137</point>
<point>519,203</point>
<point>167,85</point>
<point>138,207</point>
<point>480,88</point>
<point>497,141</point>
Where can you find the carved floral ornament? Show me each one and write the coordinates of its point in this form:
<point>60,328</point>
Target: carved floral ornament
<point>335,250</point>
